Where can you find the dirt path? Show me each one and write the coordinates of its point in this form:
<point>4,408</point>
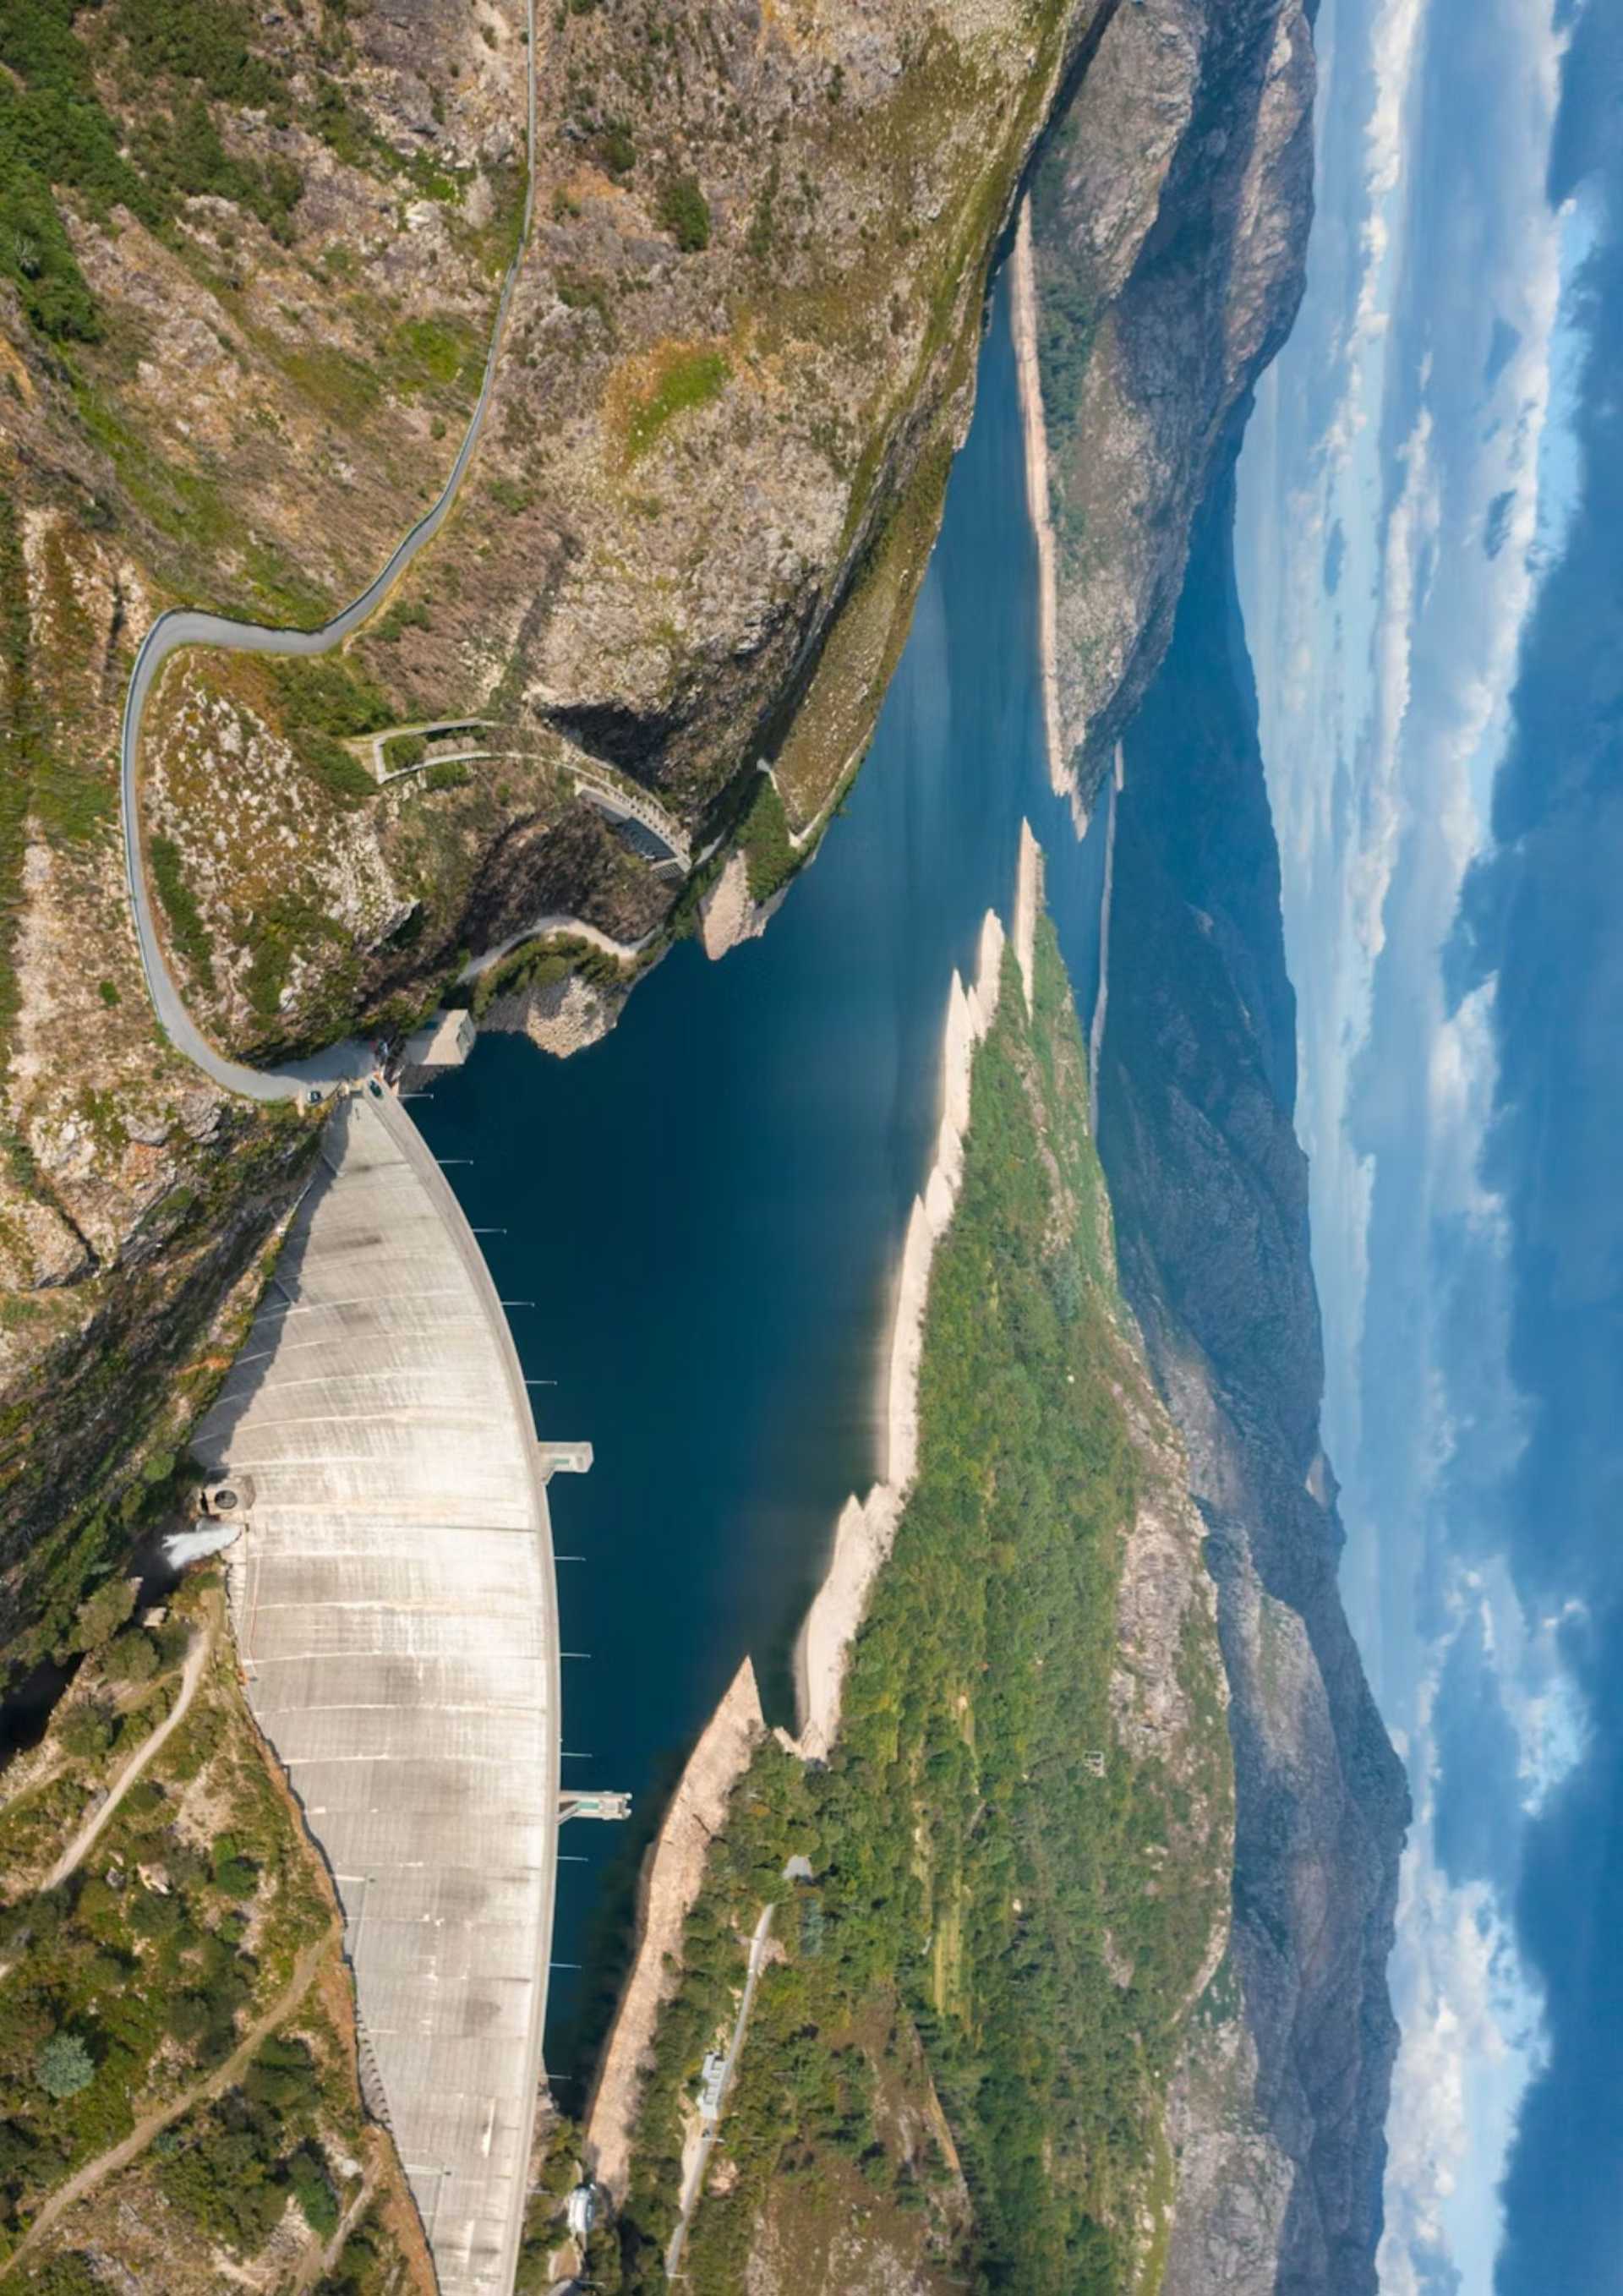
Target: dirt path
<point>74,1855</point>
<point>694,2182</point>
<point>108,2164</point>
<point>322,2255</point>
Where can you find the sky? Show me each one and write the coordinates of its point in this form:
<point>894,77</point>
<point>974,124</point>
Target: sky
<point>1431,553</point>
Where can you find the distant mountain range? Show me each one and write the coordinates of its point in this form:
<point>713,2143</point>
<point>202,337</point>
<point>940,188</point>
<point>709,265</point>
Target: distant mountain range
<point>1279,2132</point>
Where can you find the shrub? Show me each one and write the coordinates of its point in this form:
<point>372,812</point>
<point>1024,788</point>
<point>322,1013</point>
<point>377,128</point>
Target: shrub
<point>174,1640</point>
<point>131,1657</point>
<point>36,254</point>
<point>187,2016</point>
<point>187,930</point>
<point>204,41</point>
<point>64,2275</point>
<point>406,749</point>
<point>313,2191</point>
<point>616,149</point>
<point>283,2076</point>
<point>86,1732</point>
<point>64,2066</point>
<point>339,771</point>
<point>411,616</point>
<point>450,773</point>
<point>330,694</point>
<point>236,1875</point>
<point>686,213</point>
<point>152,1914</point>
<point>100,1617</point>
<point>224,2176</point>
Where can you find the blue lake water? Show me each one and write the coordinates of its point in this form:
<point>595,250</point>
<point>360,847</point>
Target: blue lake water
<point>706,1207</point>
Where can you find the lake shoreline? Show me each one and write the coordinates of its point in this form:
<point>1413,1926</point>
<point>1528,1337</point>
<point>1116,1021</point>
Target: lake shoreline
<point>866,1528</point>
<point>1022,314</point>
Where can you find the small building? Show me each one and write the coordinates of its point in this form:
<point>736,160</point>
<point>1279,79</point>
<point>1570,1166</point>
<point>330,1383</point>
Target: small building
<point>712,2074</point>
<point>580,2213</point>
<point>445,1043</point>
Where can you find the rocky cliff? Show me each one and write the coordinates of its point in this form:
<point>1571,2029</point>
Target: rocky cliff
<point>1278,2113</point>
<point>1171,214</point>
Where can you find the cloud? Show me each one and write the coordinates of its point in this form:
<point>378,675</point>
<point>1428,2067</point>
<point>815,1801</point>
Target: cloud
<point>1416,413</point>
<point>1468,2022</point>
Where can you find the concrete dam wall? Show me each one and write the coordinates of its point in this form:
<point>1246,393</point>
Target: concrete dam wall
<point>395,1615</point>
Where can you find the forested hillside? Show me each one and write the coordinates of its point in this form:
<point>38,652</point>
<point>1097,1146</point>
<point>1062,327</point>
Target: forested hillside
<point>1019,1851</point>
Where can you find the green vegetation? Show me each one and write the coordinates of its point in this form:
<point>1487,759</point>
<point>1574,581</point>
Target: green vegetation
<point>363,2269</point>
<point>541,964</point>
<point>131,1408</point>
<point>686,213</point>
<point>1067,311</point>
<point>183,67</point>
<point>431,354</point>
<point>764,840</point>
<point>125,1993</point>
<point>65,2066</point>
<point>581,291</point>
<point>616,149</point>
<point>288,926</point>
<point>510,496</point>
<point>187,930</point>
<point>233,2167</point>
<point>983,1895</point>
<point>403,751</point>
<point>181,153</point>
<point>685,379</point>
<point>191,508</point>
<point>127,1981</point>
<point>339,770</point>
<point>205,42</point>
<point>330,694</point>
<point>390,627</point>
<point>53,132</point>
<point>450,773</point>
<point>324,701</point>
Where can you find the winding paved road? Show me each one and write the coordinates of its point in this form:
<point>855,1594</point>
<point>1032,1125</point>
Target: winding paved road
<point>188,626</point>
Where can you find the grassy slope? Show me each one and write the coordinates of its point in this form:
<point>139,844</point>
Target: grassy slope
<point>977,1884</point>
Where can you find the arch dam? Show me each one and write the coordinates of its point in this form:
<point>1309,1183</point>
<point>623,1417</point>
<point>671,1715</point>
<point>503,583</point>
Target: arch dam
<point>395,1612</point>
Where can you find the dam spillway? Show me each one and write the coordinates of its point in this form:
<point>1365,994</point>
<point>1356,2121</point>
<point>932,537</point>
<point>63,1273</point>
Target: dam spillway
<point>395,1608</point>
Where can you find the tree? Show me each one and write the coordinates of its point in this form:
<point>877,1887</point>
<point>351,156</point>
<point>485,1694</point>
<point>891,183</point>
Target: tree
<point>65,2066</point>
<point>86,1731</point>
<point>101,1617</point>
<point>132,1657</point>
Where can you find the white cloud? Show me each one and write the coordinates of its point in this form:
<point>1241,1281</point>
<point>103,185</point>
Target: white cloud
<point>1385,711</point>
<point>1470,2022</point>
<point>1470,2014</point>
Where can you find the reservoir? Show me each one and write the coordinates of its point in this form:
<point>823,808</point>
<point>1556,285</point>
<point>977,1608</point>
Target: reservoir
<point>706,1208</point>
